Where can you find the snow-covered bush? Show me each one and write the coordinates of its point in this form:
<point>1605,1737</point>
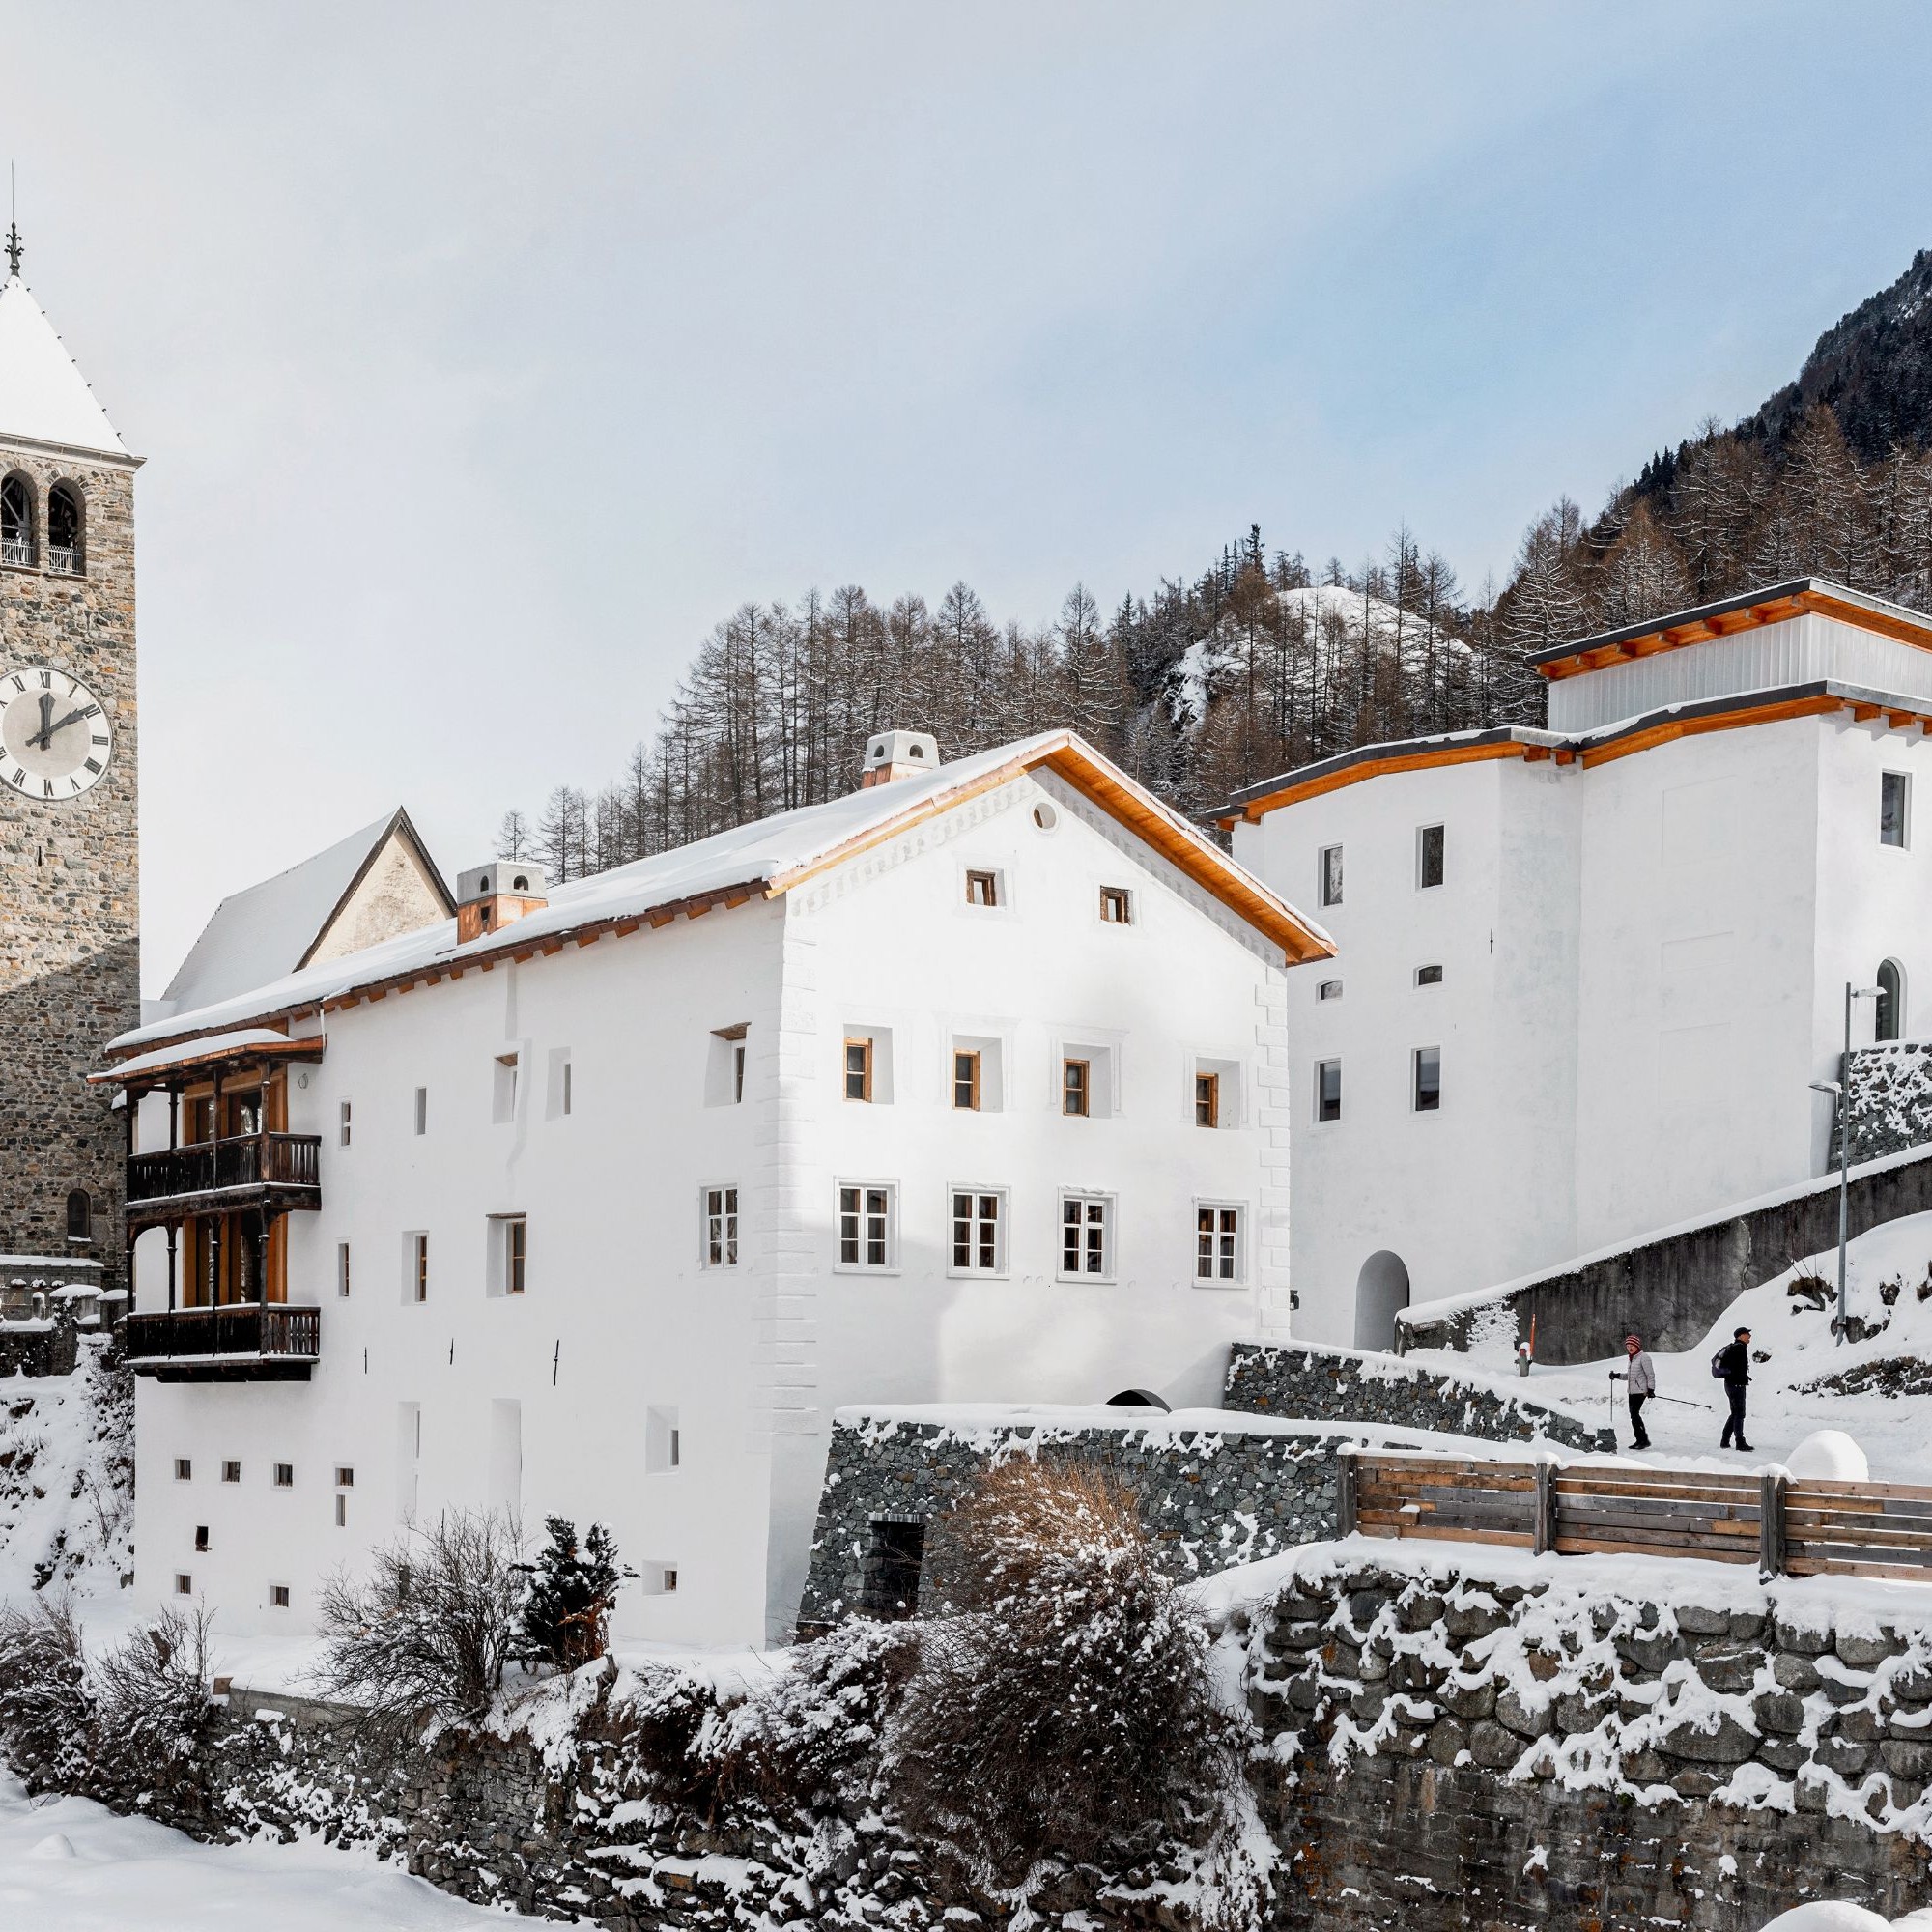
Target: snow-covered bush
<point>425,1636</point>
<point>566,1617</point>
<point>152,1713</point>
<point>47,1695</point>
<point>1065,1710</point>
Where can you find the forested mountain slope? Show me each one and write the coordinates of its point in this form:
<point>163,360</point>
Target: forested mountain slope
<point>1260,662</point>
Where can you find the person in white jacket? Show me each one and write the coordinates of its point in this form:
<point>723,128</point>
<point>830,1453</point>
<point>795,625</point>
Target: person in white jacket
<point>1641,1372</point>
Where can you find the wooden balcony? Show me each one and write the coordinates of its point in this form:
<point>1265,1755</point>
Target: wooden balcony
<point>270,1171</point>
<point>246,1342</point>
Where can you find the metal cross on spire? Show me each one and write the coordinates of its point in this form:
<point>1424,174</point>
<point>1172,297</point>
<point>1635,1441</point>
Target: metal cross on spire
<point>14,248</point>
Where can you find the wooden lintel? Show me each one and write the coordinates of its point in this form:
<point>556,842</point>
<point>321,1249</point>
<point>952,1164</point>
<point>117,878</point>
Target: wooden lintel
<point>1900,719</point>
<point>734,900</point>
<point>661,915</point>
<point>698,908</point>
<point>588,938</point>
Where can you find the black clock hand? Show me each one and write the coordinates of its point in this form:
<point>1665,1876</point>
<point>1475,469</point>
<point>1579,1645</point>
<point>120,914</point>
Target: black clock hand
<point>44,737</point>
<point>72,717</point>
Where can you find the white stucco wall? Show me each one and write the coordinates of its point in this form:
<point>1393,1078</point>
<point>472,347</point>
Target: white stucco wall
<point>752,1360</point>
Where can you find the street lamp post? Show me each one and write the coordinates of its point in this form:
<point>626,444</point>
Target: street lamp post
<point>1841,1091</point>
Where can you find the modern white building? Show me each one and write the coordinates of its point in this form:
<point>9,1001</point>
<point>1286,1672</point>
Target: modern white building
<point>970,1086</point>
<point>1587,974</point>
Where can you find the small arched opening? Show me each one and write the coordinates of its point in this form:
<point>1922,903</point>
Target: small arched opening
<point>1381,1294</point>
<point>1889,1023</point>
<point>1137,1399</point>
<point>79,1214</point>
<point>67,530</point>
<point>16,521</point>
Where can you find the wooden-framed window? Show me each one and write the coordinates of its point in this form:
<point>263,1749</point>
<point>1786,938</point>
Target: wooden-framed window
<point>979,1231</point>
<point>184,1584</point>
<point>983,889</point>
<point>1086,1237</point>
<point>1327,1090</point>
<point>865,1224</point>
<point>1217,1242</point>
<point>345,1477</point>
<point>516,1250</point>
<point>231,1471</point>
<point>1116,906</point>
<point>285,1475</point>
<point>184,1468</point>
<point>721,1227</point>
<point>1206,1099</point>
<point>1076,1087</point>
<point>416,1285</point>
<point>278,1596</point>
<point>342,1270</point>
<point>966,1080</point>
<point>858,1070</point>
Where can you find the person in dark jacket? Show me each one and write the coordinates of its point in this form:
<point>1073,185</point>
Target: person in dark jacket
<point>1734,1365</point>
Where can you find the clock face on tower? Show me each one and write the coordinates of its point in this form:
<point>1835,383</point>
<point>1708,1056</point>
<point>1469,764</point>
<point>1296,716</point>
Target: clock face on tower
<point>54,737</point>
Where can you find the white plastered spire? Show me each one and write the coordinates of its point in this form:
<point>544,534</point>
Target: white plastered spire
<point>44,397</point>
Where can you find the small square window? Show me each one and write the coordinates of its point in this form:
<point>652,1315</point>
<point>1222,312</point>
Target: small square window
<point>983,889</point>
<point>979,1231</point>
<point>721,1227</point>
<point>422,1110</point>
<point>1086,1244</point>
<point>858,1070</point>
<point>345,1477</point>
<point>1328,989</point>
<point>1429,975</point>
<point>231,1472</point>
<point>342,1270</point>
<point>201,1539</point>
<point>1218,1243</point>
<point>865,1231</point>
<point>1076,1087</point>
<point>1428,1079</point>
<point>278,1596</point>
<point>344,1124</point>
<point>1330,875</point>
<point>285,1475</point>
<point>670,1583</point>
<point>1116,906</point>
<point>1894,796</point>
<point>1206,1099</point>
<point>1328,1089</point>
<point>966,1081</point>
<point>504,1088</point>
<point>1428,857</point>
<point>184,1584</point>
<point>183,1469</point>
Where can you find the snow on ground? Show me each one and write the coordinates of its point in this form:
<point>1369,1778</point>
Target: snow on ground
<point>65,1479</point>
<point>1822,1917</point>
<point>1893,1430</point>
<point>70,1865</point>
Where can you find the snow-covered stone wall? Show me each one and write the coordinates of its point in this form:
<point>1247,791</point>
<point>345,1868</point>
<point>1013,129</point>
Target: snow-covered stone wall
<point>1891,1098</point>
<point>1346,1385</point>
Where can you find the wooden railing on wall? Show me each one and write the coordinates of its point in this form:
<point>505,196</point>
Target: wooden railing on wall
<point>1785,1527</point>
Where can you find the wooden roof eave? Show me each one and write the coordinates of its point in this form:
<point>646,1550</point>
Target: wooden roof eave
<point>201,1066</point>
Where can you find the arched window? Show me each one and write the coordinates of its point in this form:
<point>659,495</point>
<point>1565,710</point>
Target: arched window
<point>79,1215</point>
<point>1891,1019</point>
<point>17,520</point>
<point>65,530</point>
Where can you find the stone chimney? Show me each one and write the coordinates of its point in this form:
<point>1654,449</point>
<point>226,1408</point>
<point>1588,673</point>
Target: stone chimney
<point>898,754</point>
<point>497,894</point>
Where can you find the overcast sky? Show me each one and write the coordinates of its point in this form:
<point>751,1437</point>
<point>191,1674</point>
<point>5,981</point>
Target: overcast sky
<point>484,356</point>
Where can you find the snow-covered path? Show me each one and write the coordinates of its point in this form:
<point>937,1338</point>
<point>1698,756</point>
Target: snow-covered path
<point>69,1866</point>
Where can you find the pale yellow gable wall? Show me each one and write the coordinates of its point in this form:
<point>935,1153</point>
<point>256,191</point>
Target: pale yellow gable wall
<point>395,897</point>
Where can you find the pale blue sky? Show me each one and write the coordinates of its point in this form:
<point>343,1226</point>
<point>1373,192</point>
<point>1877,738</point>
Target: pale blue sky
<point>485,355</point>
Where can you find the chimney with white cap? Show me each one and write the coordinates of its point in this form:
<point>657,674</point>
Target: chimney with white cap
<point>489,898</point>
<point>897,754</point>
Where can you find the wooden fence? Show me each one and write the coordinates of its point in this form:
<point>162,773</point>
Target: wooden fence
<point>1786,1528</point>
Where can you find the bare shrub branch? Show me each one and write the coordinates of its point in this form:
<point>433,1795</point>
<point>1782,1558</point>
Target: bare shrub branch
<point>152,1709</point>
<point>46,1697</point>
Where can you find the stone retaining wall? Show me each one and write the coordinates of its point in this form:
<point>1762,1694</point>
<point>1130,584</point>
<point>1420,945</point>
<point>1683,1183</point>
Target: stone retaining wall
<point>45,1347</point>
<point>1212,1496</point>
<point>1347,1385</point>
<point>1891,1098</point>
<point>1437,1745</point>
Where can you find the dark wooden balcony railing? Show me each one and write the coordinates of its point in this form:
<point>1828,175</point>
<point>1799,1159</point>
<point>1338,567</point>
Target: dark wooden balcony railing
<point>249,1340</point>
<point>279,1161</point>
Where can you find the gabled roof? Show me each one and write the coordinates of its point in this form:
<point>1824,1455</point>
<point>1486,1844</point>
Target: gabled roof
<point>1729,616</point>
<point>44,397</point>
<point>273,929</point>
<point>763,860</point>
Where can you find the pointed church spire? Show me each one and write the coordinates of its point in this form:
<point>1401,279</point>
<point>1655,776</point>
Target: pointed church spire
<point>43,398</point>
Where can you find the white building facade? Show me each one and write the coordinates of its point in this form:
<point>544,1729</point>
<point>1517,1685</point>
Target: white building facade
<point>1585,976</point>
<point>971,1086</point>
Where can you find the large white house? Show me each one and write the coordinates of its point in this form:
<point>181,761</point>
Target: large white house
<point>1587,974</point>
<point>969,1086</point>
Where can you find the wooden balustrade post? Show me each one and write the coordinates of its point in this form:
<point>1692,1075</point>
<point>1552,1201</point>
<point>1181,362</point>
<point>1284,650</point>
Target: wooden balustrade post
<point>1771,1523</point>
<point>1544,1539</point>
<point>1346,1489</point>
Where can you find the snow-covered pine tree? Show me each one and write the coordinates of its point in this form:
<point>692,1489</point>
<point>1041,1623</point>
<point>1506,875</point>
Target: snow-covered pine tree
<point>567,1615</point>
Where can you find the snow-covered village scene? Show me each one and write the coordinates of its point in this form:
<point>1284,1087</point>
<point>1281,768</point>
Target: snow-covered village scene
<point>966,967</point>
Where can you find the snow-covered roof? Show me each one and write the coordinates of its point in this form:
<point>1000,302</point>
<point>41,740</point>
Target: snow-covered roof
<point>44,397</point>
<point>244,1043</point>
<point>270,929</point>
<point>767,857</point>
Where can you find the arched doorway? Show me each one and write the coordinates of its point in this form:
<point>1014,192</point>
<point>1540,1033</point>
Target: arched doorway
<point>1381,1294</point>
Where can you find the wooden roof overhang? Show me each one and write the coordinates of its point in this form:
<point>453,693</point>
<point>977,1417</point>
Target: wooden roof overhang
<point>1733,615</point>
<point>1369,761</point>
<point>221,1053</point>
